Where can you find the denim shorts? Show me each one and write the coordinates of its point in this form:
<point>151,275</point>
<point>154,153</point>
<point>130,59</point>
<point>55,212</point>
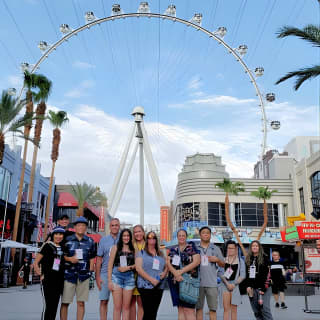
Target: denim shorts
<point>104,293</point>
<point>124,280</point>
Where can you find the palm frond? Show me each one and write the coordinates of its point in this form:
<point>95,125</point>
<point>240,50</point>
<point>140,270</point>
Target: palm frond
<point>310,33</point>
<point>83,192</point>
<point>57,119</point>
<point>302,75</point>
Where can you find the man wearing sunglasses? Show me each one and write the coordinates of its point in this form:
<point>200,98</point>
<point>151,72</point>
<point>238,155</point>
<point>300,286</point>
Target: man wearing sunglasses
<point>104,249</point>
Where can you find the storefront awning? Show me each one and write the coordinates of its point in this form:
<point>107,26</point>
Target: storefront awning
<point>66,199</point>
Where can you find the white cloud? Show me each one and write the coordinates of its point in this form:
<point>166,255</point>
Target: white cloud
<point>212,101</point>
<point>83,65</point>
<point>195,83</point>
<point>81,90</point>
<point>218,101</point>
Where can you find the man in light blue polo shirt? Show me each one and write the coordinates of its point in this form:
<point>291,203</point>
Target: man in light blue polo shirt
<point>104,249</point>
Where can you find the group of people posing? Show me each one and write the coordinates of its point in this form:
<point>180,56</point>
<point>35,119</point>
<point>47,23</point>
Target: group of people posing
<point>131,266</point>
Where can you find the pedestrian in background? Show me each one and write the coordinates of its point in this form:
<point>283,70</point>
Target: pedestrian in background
<point>136,303</point>
<point>25,269</point>
<point>121,275</point>
<point>257,274</point>
<point>151,268</point>
<point>211,259</point>
<point>79,256</point>
<point>233,273</point>
<point>184,258</point>
<point>49,265</point>
<point>105,245</point>
<point>278,280</point>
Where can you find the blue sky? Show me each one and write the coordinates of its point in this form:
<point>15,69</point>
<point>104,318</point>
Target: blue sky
<point>196,96</point>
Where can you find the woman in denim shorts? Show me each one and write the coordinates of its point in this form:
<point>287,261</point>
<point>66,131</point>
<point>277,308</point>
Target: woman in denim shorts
<point>121,275</point>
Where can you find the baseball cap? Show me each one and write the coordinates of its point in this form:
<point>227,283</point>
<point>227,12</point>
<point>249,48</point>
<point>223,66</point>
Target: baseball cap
<point>81,220</point>
<point>58,230</point>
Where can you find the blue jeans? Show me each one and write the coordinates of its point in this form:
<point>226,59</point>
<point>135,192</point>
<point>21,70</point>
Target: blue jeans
<point>124,280</point>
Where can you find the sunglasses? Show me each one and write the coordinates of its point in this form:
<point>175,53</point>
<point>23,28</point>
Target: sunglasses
<point>151,237</point>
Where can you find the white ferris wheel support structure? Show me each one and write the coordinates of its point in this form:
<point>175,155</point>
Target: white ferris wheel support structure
<point>170,14</point>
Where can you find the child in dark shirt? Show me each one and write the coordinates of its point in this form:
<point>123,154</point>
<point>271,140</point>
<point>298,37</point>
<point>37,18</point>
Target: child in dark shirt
<point>278,279</point>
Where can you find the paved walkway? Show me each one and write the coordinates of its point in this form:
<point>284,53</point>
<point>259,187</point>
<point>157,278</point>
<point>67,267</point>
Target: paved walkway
<point>18,304</point>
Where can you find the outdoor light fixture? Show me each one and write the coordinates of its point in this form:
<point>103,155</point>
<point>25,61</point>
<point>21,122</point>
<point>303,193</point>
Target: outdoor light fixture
<point>11,91</point>
<point>116,10</point>
<point>242,49</point>
<point>221,32</point>
<point>258,71</point>
<point>89,16</point>
<point>275,124</point>
<point>270,97</point>
<point>171,10</point>
<point>65,29</point>
<point>197,18</point>
<point>24,66</point>
<point>144,7</point>
<point>43,46</point>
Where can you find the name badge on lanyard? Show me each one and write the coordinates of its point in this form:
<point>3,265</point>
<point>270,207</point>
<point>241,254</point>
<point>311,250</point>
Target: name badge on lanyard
<point>79,254</point>
<point>123,261</point>
<point>204,260</point>
<point>228,273</point>
<point>176,260</point>
<point>156,264</point>
<point>252,273</point>
<point>56,264</point>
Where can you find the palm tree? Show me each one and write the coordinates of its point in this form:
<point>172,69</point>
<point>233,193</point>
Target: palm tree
<point>31,81</point>
<point>310,33</point>
<point>44,86</point>
<point>265,194</point>
<point>9,121</point>
<point>57,120</point>
<point>99,199</point>
<point>83,193</point>
<point>232,188</point>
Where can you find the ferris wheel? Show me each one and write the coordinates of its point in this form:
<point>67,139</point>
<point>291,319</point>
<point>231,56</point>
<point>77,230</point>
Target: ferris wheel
<point>170,14</point>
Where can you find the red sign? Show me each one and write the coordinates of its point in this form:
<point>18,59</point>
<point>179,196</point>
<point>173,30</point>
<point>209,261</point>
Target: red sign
<point>7,229</point>
<point>309,230</point>
<point>164,223</point>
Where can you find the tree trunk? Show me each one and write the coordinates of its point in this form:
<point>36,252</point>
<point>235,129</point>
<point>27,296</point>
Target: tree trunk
<point>18,206</point>
<point>80,211</point>
<point>29,109</point>
<point>265,219</point>
<point>49,200</point>
<point>33,173</point>
<point>41,110</point>
<point>230,224</point>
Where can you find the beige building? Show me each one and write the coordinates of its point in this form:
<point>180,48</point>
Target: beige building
<point>296,179</point>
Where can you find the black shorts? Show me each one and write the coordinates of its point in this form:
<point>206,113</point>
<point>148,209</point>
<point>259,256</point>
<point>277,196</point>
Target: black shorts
<point>278,287</point>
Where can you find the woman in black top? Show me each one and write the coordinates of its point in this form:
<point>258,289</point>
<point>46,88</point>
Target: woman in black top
<point>49,265</point>
<point>121,275</point>
<point>257,274</point>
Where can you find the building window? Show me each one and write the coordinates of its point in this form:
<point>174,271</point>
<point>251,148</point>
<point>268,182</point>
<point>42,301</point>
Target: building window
<point>251,214</point>
<point>315,185</point>
<point>301,200</point>
<point>188,212</point>
<point>216,214</point>
<point>5,180</point>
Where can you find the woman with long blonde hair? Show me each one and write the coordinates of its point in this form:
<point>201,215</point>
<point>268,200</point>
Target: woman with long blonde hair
<point>257,282</point>
<point>136,309</point>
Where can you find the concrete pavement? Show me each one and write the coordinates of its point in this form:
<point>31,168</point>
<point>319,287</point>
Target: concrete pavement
<point>18,304</point>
